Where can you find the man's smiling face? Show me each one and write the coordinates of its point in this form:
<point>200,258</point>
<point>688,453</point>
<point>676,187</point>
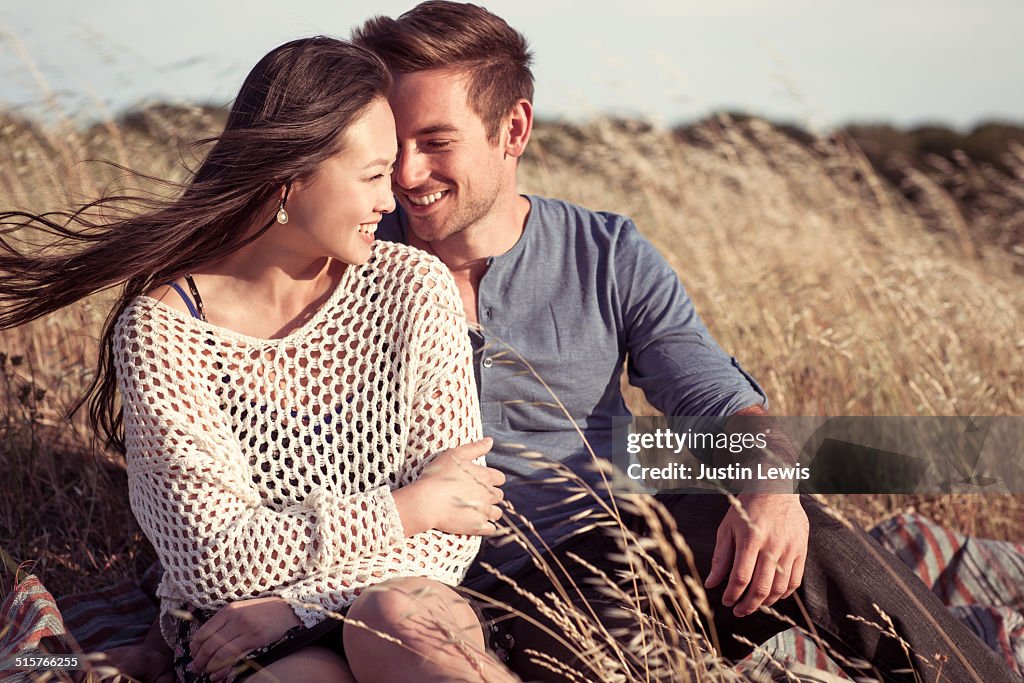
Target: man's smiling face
<point>449,174</point>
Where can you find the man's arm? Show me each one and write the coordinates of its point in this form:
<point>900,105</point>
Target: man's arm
<point>682,371</point>
<point>672,356</point>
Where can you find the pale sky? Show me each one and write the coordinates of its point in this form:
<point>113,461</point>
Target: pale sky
<point>819,63</point>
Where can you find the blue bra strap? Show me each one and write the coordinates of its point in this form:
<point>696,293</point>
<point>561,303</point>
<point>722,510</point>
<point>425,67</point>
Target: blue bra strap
<point>185,298</point>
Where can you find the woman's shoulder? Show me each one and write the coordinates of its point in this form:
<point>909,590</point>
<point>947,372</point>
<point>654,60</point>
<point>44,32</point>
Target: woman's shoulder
<point>412,271</point>
<point>171,297</point>
<point>161,311</point>
<point>402,260</point>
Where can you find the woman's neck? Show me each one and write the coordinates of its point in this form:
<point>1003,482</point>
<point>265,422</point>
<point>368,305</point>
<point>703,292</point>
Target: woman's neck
<point>264,294</point>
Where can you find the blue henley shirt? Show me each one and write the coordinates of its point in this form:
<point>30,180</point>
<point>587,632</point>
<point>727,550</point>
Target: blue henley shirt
<point>578,293</point>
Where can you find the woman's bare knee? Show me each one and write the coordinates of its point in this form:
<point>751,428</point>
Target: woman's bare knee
<point>439,632</point>
<point>415,606</point>
<point>312,664</point>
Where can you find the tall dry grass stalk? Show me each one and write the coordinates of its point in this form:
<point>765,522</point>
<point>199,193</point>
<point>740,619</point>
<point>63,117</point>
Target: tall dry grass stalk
<point>838,294</point>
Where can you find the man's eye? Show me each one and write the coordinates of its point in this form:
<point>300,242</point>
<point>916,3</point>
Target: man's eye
<point>439,144</point>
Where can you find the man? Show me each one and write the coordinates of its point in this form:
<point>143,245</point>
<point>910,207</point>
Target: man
<point>562,296</point>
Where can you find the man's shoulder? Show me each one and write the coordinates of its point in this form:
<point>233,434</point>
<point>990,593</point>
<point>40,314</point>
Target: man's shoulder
<point>555,212</point>
<point>565,225</point>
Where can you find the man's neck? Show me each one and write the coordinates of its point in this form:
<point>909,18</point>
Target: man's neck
<point>469,249</point>
<point>467,252</point>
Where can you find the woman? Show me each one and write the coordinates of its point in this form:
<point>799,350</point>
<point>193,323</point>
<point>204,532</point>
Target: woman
<point>285,382</point>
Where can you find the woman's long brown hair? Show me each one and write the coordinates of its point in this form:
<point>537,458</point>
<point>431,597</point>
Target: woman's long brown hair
<point>289,116</point>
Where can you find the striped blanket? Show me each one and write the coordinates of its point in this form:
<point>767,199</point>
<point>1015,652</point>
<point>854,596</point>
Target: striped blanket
<point>981,581</point>
<point>96,621</point>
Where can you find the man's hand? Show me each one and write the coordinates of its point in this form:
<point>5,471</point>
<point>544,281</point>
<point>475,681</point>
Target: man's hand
<point>150,661</point>
<point>237,629</point>
<point>138,661</point>
<point>766,555</point>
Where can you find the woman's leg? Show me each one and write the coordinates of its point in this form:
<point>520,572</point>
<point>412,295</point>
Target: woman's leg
<point>441,637</point>
<point>312,664</point>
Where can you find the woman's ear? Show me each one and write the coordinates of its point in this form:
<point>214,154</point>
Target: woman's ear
<point>520,125</point>
<point>282,200</point>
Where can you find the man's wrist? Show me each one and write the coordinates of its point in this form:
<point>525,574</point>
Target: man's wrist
<point>775,459</point>
<point>773,487</point>
<point>154,639</point>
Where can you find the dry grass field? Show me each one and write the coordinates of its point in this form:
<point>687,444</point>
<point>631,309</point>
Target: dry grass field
<point>838,293</point>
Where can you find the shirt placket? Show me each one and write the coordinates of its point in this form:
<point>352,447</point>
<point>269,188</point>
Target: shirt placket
<point>485,345</point>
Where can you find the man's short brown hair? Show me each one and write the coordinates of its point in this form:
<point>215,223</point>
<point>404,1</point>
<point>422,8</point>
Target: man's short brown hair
<point>438,34</point>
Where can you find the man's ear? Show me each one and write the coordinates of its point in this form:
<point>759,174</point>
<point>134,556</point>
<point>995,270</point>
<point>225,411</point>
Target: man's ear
<point>520,125</point>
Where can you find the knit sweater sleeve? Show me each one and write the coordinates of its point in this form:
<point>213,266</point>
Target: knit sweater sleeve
<point>445,407</point>
<point>190,491</point>
<point>444,413</point>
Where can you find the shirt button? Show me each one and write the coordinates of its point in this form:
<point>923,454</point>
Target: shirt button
<point>487,314</point>
<point>488,362</point>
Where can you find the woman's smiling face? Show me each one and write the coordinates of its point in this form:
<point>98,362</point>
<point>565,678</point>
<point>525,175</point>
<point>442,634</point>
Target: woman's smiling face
<point>335,212</point>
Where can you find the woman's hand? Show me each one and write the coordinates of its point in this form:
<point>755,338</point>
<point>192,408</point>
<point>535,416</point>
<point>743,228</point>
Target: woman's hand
<point>454,494</point>
<point>237,629</point>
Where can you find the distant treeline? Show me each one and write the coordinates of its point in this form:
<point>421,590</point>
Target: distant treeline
<point>987,143</point>
<point>981,170</point>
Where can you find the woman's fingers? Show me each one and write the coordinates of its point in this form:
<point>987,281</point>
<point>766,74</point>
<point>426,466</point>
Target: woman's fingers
<point>205,641</point>
<point>487,476</point>
<point>210,642</point>
<point>472,451</point>
<point>497,495</point>
<point>463,480</point>
<point>203,634</point>
<point>226,657</point>
<point>235,630</point>
<point>222,673</point>
<point>489,508</point>
<point>487,521</point>
<point>497,477</point>
<point>487,529</point>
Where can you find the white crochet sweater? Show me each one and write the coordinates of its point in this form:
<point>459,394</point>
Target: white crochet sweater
<point>265,467</point>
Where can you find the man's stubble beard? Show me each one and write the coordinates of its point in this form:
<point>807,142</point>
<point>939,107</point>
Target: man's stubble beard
<point>440,228</point>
